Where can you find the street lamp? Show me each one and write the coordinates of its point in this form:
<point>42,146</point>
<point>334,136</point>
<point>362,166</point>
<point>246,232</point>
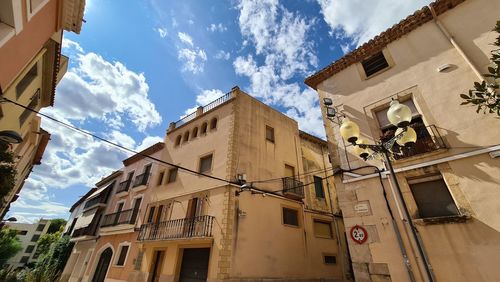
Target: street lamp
<point>400,116</point>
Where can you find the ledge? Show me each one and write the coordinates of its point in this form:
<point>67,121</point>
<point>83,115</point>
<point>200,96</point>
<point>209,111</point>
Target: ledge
<point>121,194</point>
<point>442,219</point>
<point>139,188</point>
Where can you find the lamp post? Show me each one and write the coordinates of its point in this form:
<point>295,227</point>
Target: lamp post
<point>400,116</point>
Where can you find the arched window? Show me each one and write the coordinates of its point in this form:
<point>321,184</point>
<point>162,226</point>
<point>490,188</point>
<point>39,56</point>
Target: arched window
<point>213,123</point>
<point>186,136</point>
<point>204,128</point>
<point>178,140</point>
<point>195,132</point>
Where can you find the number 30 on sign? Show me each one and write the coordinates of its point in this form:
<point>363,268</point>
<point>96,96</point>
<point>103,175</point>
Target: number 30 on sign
<point>359,234</point>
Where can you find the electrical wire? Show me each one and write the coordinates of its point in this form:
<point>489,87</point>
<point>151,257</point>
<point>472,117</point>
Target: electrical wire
<point>120,146</point>
<point>299,175</point>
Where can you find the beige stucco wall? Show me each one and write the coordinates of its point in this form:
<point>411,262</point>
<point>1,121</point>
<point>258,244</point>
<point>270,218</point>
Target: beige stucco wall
<point>457,251</point>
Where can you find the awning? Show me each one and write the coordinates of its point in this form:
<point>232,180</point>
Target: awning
<point>100,190</point>
<point>85,219</point>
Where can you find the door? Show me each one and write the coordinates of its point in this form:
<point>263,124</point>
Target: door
<point>193,211</point>
<point>194,265</point>
<point>102,266</point>
<point>157,266</point>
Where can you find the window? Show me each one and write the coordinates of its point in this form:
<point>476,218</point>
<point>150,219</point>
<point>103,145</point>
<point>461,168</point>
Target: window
<point>322,229</point>
<point>151,214</point>
<point>26,81</point>
<point>290,217</point>
<point>178,140</point>
<point>432,197</point>
<point>24,259</point>
<point>122,256</point>
<point>11,22</point>
<point>119,206</point>
<point>374,64</point>
<point>206,164</point>
<point>329,259</point>
<point>32,105</point>
<point>40,227</point>
<point>160,178</point>
<point>204,128</point>
<point>30,249</point>
<point>172,175</point>
<point>318,187</point>
<point>195,132</point>
<point>186,137</point>
<point>213,123</point>
<point>35,238</point>
<point>34,6</point>
<point>22,232</point>
<point>269,134</point>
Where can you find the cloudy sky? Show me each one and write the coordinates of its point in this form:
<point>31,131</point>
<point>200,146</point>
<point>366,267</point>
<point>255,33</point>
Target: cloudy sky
<point>137,67</point>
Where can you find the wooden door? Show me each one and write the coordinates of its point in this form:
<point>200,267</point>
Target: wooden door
<point>194,265</point>
<point>102,266</point>
<point>157,266</point>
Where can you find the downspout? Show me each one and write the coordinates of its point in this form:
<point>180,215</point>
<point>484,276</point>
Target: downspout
<point>455,44</point>
<point>337,232</point>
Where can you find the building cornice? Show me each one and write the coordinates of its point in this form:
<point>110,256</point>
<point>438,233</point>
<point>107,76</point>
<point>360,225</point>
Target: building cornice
<point>146,152</point>
<point>376,44</point>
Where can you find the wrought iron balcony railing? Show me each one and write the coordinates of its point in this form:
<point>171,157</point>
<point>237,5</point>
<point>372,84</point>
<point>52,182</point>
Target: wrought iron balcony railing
<point>293,188</point>
<point>117,218</point>
<point>89,230</point>
<point>123,186</point>
<point>206,108</point>
<point>141,179</point>
<point>196,227</point>
<point>428,140</point>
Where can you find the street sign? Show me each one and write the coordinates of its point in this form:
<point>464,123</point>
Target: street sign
<point>359,234</point>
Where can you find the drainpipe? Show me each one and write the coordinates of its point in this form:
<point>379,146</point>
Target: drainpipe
<point>455,44</point>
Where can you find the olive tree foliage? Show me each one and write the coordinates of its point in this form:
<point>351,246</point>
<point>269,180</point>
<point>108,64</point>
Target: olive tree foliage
<point>7,170</point>
<point>486,95</point>
<point>9,245</point>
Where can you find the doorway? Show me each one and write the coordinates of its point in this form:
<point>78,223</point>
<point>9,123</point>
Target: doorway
<point>103,265</point>
<point>157,266</point>
<point>194,266</point>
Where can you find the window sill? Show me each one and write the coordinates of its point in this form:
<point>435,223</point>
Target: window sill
<point>442,219</point>
<point>293,226</point>
<point>6,33</point>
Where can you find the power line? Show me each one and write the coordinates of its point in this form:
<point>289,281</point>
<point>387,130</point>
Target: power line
<point>118,145</point>
<point>298,175</point>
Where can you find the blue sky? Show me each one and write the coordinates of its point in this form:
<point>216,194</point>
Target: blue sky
<point>137,67</point>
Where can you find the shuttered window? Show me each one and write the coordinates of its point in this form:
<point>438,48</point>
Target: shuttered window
<point>318,187</point>
<point>269,134</point>
<point>123,256</point>
<point>290,217</point>
<point>172,175</point>
<point>374,64</point>
<point>432,197</point>
<point>323,229</point>
<point>206,164</point>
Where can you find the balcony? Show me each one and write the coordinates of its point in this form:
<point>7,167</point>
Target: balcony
<point>293,188</point>
<point>89,230</point>
<point>123,187</point>
<point>99,200</point>
<point>117,218</point>
<point>140,181</point>
<point>185,228</point>
<point>428,140</point>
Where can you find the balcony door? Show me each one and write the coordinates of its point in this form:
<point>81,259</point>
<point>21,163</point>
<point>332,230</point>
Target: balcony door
<point>119,208</point>
<point>135,211</point>
<point>194,211</point>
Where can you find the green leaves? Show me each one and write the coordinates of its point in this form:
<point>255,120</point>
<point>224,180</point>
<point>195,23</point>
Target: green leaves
<point>485,94</point>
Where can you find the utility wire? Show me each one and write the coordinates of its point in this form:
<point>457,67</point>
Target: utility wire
<point>299,175</point>
<point>118,145</point>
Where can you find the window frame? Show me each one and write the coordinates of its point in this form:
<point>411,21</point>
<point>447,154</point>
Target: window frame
<point>28,250</point>
<point>213,123</point>
<point>185,137</point>
<point>27,80</point>
<point>203,128</point>
<point>178,140</point>
<point>200,160</point>
<point>30,13</point>
<point>35,235</point>
<point>173,170</point>
<point>329,255</point>
<point>194,133</point>
<point>322,221</point>
<point>161,176</point>
<point>118,255</point>
<point>315,179</point>
<point>388,59</point>
<point>16,26</point>
<point>283,208</point>
<point>273,140</point>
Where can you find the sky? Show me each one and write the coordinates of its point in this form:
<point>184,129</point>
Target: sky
<point>137,67</point>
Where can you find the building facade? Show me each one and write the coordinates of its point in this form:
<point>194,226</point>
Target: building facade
<point>28,234</point>
<point>449,179</point>
<point>32,65</point>
<point>112,249</point>
<point>268,212</point>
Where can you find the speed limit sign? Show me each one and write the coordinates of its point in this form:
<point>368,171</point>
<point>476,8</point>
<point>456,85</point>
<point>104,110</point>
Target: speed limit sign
<point>359,234</point>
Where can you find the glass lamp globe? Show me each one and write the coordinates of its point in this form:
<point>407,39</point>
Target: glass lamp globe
<point>408,138</point>
<point>399,114</point>
<point>358,151</point>
<point>349,130</point>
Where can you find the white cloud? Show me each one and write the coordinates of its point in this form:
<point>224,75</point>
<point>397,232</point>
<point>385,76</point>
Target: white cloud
<point>191,22</point>
<point>97,88</point>
<point>193,59</point>
<point>280,38</point>
<point>148,141</point>
<point>121,139</point>
<point>222,55</point>
<point>362,20</point>
<point>162,31</point>
<point>69,44</point>
<point>174,23</point>
<point>217,27</point>
<point>346,48</point>
<point>185,38</point>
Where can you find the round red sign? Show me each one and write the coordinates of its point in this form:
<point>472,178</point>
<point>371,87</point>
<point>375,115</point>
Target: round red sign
<point>359,234</point>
